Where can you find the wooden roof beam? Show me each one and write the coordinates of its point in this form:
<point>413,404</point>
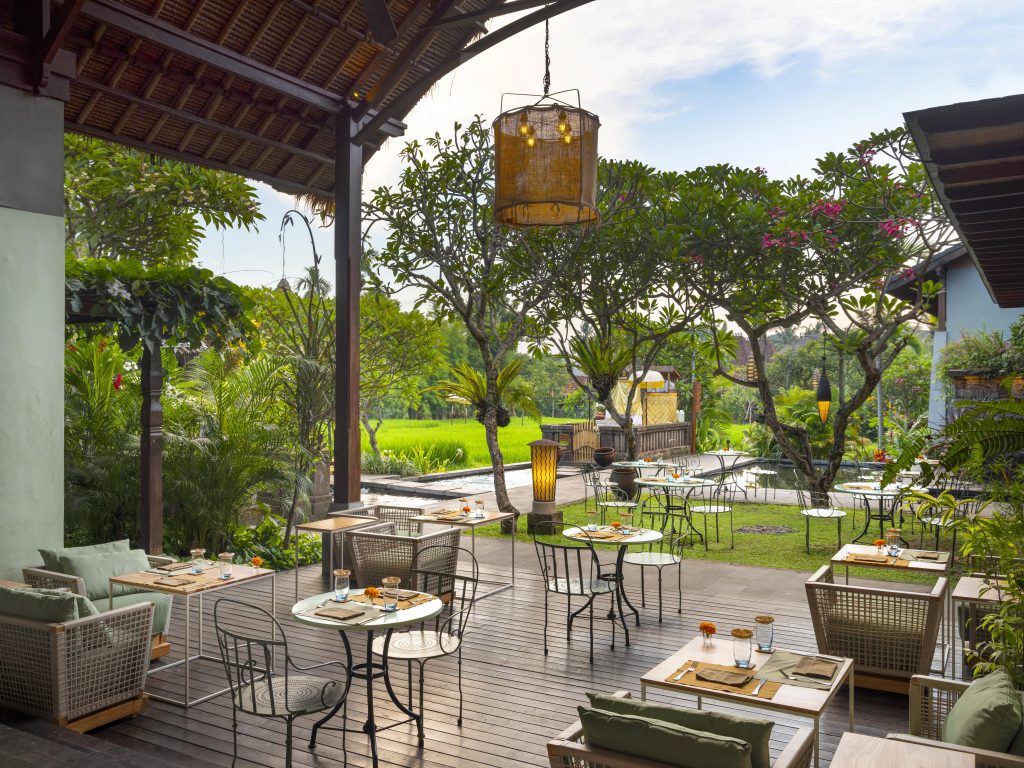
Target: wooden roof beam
<point>373,65</point>
<point>168,36</point>
<point>487,13</point>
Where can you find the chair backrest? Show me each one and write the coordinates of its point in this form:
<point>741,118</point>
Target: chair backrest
<point>567,566</point>
<point>889,632</point>
<point>381,552</point>
<point>435,570</point>
<point>819,500</point>
<point>248,640</point>
<point>722,492</point>
<point>401,517</point>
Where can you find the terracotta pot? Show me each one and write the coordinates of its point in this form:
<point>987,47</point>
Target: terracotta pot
<point>604,456</point>
<point>625,478</point>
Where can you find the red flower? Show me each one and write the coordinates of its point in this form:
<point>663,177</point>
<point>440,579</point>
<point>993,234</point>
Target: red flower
<point>117,383</point>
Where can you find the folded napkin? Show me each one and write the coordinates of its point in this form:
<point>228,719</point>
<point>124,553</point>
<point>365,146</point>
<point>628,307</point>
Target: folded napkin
<point>402,603</point>
<point>927,555</point>
<point>171,567</point>
<point>337,612</point>
<point>597,535</point>
<point>722,677</point>
<point>810,666</point>
<point>449,516</point>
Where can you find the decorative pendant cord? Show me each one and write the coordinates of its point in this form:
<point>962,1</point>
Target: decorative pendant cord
<point>547,57</point>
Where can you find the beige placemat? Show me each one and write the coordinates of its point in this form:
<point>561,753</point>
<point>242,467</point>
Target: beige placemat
<point>690,679</point>
<point>878,560</point>
<point>787,660</point>
<point>341,614</point>
<point>173,581</point>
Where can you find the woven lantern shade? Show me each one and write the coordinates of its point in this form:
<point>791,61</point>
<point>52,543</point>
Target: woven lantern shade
<point>751,370</point>
<point>544,460</point>
<point>545,164</point>
<point>824,396</point>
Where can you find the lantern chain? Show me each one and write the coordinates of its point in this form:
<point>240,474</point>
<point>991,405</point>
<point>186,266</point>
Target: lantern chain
<point>547,57</point>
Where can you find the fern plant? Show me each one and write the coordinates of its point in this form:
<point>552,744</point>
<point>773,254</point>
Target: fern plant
<point>470,384</point>
<point>603,360</point>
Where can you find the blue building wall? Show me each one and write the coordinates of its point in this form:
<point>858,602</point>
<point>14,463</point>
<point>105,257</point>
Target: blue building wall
<point>968,308</point>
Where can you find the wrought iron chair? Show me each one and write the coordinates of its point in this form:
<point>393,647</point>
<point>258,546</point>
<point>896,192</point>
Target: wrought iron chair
<point>434,570</point>
<point>608,497</point>
<point>717,500</point>
<point>248,641</point>
<point>664,553</point>
<point>812,511</point>
<point>571,569</point>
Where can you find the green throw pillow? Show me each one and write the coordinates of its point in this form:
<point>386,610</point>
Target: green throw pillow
<point>51,557</point>
<point>987,716</point>
<point>50,605</point>
<point>1017,745</point>
<point>96,569</point>
<point>755,732</point>
<point>661,741</point>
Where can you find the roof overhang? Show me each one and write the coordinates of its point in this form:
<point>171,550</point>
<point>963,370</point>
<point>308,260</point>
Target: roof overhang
<point>974,154</point>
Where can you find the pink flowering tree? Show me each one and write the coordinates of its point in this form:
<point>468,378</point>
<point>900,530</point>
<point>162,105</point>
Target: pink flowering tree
<point>771,255</point>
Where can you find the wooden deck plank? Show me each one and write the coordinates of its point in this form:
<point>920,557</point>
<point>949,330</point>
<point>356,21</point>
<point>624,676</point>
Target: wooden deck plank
<point>515,697</point>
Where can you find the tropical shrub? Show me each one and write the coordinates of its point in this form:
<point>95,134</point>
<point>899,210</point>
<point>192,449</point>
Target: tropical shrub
<point>986,352</point>
<point>266,540</point>
<point>388,463</point>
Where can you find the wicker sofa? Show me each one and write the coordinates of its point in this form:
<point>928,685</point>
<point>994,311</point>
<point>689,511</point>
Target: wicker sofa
<point>931,698</point>
<point>890,634</point>
<point>80,673</point>
<point>41,576</point>
<point>569,750</point>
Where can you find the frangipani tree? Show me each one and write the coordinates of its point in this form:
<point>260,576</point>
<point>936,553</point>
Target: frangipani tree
<point>771,255</point>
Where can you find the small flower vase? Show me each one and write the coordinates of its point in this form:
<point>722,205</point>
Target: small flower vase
<point>707,638</point>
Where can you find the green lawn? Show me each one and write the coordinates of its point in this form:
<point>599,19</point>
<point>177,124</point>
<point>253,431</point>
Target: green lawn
<point>403,434</point>
<point>770,551</point>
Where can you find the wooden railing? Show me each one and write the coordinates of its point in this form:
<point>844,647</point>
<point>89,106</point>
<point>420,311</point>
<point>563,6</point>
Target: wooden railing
<point>651,440</point>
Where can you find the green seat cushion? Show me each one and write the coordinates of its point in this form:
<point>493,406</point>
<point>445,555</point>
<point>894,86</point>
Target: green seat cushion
<point>757,733</point>
<point>1017,745</point>
<point>50,605</point>
<point>96,569</point>
<point>51,557</point>
<point>987,716</point>
<point>161,606</point>
<point>662,741</point>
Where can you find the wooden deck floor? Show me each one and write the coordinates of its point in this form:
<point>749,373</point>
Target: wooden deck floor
<point>515,697</point>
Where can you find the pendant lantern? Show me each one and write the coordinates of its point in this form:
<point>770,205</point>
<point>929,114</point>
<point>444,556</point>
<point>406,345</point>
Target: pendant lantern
<point>545,161</point>
<point>824,391</point>
<point>751,370</point>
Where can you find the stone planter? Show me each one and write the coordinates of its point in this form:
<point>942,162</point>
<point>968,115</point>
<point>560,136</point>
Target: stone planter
<point>980,386</point>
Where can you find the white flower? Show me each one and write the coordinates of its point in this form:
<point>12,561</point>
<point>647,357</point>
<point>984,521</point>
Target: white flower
<point>118,291</point>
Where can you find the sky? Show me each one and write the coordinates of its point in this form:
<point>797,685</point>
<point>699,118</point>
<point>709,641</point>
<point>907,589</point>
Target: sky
<point>679,84</point>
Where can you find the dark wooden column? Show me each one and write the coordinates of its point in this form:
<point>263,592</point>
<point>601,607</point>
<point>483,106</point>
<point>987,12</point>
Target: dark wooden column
<point>151,507</point>
<point>348,183</point>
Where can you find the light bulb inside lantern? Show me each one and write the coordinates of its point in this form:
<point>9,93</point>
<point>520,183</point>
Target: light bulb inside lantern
<point>567,138</point>
<point>563,123</point>
<point>531,141</point>
<point>525,129</point>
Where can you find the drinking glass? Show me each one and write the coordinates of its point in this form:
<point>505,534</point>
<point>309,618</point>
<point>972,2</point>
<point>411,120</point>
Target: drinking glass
<point>390,592</point>
<point>480,508</point>
<point>892,540</point>
<point>225,560</point>
<point>764,632</point>
<point>626,518</point>
<point>742,647</point>
<point>342,583</point>
<point>592,519</point>
<point>198,557</point>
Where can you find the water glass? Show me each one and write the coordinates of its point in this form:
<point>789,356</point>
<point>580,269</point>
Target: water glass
<point>764,633</point>
<point>342,583</point>
<point>592,519</point>
<point>225,559</point>
<point>742,647</point>
<point>198,558</point>
<point>389,592</point>
<point>892,540</point>
<point>626,518</point>
<point>480,508</point>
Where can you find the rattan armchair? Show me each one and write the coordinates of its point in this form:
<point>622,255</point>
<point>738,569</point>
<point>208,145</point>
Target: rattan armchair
<point>569,750</point>
<point>890,634</point>
<point>79,674</point>
<point>400,516</point>
<point>378,551</point>
<point>42,578</point>
<point>931,698</point>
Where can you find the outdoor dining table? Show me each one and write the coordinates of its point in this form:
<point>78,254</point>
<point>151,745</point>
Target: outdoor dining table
<point>675,488</point>
<point>885,498</point>
<point>637,536</point>
<point>722,456</point>
<point>640,465</point>
<point>471,520</point>
<point>370,670</point>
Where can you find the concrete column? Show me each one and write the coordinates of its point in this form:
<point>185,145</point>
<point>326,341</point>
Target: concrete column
<point>31,327</point>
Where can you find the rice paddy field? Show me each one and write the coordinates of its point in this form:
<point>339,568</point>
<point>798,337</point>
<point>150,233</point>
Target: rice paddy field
<point>404,435</point>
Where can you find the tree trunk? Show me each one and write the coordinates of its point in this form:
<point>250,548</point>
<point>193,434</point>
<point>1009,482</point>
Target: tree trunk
<point>371,433</point>
<point>626,425</point>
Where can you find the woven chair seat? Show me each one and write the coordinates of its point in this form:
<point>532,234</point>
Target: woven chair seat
<point>417,644</point>
<point>305,694</point>
<point>652,559</point>
<point>935,521</point>
<point>579,586</point>
<point>823,513</point>
<point>711,509</point>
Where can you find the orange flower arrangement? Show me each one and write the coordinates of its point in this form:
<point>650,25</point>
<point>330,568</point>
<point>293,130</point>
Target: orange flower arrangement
<point>707,628</point>
<point>879,542</point>
<point>371,592</point>
<point>256,562</point>
<point>616,524</point>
